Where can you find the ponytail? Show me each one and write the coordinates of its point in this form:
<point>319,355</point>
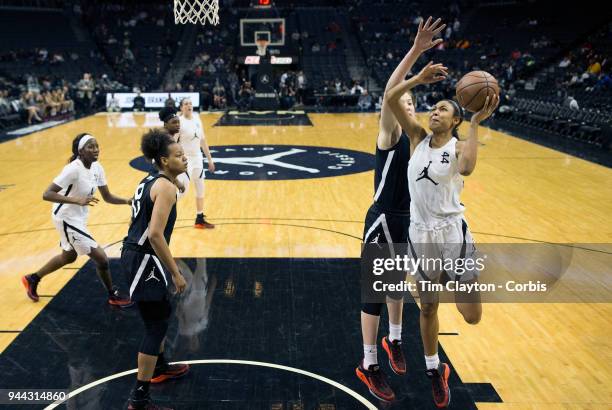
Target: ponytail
<point>154,145</point>
<point>458,112</point>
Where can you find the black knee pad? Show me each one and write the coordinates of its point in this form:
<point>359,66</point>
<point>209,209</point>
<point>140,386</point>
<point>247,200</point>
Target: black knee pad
<point>372,308</point>
<point>154,335</point>
<point>155,316</point>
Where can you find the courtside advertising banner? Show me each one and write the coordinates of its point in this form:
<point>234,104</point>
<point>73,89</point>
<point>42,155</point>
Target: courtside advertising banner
<point>152,100</point>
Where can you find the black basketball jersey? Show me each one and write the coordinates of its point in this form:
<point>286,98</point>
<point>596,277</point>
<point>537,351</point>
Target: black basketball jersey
<point>142,208</point>
<point>391,177</point>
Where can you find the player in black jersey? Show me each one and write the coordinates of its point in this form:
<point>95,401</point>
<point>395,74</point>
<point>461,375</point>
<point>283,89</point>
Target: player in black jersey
<point>147,257</point>
<point>388,219</point>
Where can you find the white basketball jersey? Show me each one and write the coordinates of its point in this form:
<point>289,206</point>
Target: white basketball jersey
<point>191,134</point>
<point>435,184</point>
<point>77,181</point>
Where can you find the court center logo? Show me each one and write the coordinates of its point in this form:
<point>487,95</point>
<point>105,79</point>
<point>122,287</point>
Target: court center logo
<point>279,162</point>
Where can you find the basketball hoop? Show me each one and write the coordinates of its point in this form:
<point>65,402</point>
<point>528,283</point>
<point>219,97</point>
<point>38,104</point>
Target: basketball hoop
<point>262,44</point>
<point>196,11</point>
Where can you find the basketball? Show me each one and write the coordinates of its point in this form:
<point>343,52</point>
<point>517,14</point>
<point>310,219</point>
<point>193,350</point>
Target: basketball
<point>474,88</point>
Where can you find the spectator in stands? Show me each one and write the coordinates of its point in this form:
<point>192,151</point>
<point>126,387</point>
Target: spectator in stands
<point>170,101</point>
<point>456,25</point>
<point>206,99</point>
<point>509,72</point>
<point>233,82</point>
<point>42,55</point>
<point>86,87</point>
<point>365,101</point>
<point>28,101</point>
<point>448,33</point>
<point>128,55</point>
<point>245,96</point>
<point>565,62</point>
<point>219,98</point>
<point>53,105</point>
<point>594,67</point>
<point>338,86</point>
<point>33,85</point>
<point>57,58</point>
<point>287,97</point>
<point>572,103</point>
<point>113,104</point>
<point>604,82</point>
<point>64,105</point>
<point>379,103</point>
<point>301,87</point>
<point>357,88</point>
<point>139,102</point>
<point>283,78</point>
<point>5,104</point>
<point>218,63</point>
<point>104,83</point>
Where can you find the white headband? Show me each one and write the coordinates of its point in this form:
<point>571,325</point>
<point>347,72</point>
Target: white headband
<point>84,139</point>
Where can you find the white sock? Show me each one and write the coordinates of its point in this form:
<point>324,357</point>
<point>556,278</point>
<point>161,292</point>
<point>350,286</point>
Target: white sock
<point>370,356</point>
<point>432,362</point>
<point>395,332</point>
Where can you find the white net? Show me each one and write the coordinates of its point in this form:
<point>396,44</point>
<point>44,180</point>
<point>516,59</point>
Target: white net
<point>196,11</point>
<point>261,47</point>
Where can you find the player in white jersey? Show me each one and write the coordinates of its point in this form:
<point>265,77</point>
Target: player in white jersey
<point>73,193</point>
<point>192,139</point>
<point>437,227</point>
<point>388,219</point>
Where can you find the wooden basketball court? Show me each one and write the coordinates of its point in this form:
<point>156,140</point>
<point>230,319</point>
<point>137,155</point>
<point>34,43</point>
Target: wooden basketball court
<point>537,356</point>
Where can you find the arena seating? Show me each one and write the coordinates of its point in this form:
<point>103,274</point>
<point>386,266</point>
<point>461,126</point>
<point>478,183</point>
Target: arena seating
<point>136,48</point>
<point>49,33</point>
<point>138,44</point>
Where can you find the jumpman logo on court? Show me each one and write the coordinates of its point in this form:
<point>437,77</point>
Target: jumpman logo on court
<point>152,276</point>
<point>425,174</point>
<point>375,240</point>
<point>271,159</point>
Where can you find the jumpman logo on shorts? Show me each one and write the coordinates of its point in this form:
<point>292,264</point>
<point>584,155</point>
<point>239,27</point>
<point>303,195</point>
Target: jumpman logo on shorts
<point>425,174</point>
<point>152,276</point>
